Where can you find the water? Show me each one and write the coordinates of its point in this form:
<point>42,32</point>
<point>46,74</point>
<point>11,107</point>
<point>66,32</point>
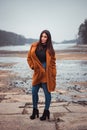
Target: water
<point>27,46</point>
<point>15,48</point>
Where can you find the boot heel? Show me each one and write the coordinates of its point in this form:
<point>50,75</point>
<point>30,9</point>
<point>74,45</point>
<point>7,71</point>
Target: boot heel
<point>35,114</point>
<point>46,114</point>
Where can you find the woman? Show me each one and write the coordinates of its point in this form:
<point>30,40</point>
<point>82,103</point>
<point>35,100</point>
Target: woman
<point>41,58</point>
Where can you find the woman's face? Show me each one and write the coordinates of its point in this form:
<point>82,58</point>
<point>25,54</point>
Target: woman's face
<point>44,38</point>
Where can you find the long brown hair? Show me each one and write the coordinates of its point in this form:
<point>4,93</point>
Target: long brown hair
<point>49,42</point>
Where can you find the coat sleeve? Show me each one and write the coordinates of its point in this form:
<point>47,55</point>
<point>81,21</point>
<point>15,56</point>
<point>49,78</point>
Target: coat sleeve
<point>29,59</point>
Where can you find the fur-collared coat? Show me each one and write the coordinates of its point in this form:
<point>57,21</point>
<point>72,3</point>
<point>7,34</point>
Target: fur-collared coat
<point>49,75</point>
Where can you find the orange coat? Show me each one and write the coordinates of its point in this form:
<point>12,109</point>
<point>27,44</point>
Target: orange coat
<point>40,74</point>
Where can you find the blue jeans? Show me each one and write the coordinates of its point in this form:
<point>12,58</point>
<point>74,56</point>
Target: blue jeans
<point>47,94</point>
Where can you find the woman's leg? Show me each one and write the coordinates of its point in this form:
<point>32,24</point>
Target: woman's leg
<point>35,90</point>
<point>46,113</point>
<point>47,96</point>
<point>35,112</point>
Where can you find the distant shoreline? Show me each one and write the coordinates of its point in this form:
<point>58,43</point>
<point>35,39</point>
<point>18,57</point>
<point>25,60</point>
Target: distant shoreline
<point>75,52</point>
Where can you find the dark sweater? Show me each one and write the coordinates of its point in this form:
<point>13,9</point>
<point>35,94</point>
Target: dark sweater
<point>41,54</point>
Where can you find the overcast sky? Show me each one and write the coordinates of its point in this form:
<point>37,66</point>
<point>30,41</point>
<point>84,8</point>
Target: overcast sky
<point>29,17</point>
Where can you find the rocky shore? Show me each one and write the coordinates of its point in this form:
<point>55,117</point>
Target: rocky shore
<point>69,102</point>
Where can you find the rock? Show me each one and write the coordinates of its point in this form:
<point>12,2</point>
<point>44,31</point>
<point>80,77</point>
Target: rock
<point>24,111</point>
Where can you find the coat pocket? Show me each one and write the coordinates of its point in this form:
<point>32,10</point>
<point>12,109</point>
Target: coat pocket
<point>52,71</point>
<point>37,76</point>
<point>52,76</point>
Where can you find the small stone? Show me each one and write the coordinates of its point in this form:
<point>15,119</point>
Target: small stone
<point>24,111</point>
<point>59,120</point>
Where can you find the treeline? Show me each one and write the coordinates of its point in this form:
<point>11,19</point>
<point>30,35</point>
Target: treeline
<point>10,38</point>
<point>82,33</point>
